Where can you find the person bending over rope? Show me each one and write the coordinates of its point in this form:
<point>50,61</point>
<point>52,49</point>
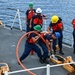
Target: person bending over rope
<point>49,37</point>
<point>45,46</point>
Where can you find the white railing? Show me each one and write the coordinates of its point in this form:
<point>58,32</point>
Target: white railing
<point>47,68</point>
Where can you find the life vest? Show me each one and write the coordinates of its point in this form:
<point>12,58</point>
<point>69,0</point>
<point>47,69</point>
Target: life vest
<point>57,27</point>
<point>73,23</point>
<point>30,40</point>
<point>30,14</point>
<point>42,34</point>
<point>38,20</point>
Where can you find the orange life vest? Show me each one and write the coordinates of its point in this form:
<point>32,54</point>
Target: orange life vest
<point>42,34</point>
<point>30,14</point>
<point>31,41</point>
<point>57,26</point>
<point>73,23</point>
<point>38,21</point>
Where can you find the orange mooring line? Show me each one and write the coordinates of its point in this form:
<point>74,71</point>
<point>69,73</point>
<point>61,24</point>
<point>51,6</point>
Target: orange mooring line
<point>17,48</point>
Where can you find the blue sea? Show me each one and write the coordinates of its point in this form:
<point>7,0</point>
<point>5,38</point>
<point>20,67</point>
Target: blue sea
<point>63,8</point>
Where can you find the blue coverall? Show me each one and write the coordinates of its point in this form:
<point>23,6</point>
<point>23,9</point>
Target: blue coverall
<point>29,47</point>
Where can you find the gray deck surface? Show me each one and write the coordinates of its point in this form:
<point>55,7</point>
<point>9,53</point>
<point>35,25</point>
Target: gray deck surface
<point>8,41</point>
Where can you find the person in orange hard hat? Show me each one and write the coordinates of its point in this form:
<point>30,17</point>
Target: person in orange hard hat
<point>73,23</point>
<point>56,25</point>
<point>29,14</point>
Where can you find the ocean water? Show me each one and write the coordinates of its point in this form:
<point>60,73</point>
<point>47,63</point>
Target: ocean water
<point>63,8</point>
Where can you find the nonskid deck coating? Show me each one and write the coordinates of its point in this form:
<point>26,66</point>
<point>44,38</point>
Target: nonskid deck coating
<point>8,41</point>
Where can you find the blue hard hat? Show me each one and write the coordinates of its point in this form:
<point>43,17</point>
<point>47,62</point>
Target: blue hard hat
<point>57,34</point>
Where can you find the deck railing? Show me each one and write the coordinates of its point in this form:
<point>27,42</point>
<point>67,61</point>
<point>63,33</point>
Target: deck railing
<point>48,66</point>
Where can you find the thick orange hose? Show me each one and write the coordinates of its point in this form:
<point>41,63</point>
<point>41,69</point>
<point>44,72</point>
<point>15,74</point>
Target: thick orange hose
<point>17,48</point>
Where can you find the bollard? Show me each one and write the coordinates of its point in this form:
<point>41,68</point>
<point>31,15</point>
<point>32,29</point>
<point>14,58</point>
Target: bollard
<point>48,69</point>
<point>6,73</point>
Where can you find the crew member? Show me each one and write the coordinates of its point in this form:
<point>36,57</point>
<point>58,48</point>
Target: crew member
<point>29,14</point>
<point>31,45</point>
<point>73,23</point>
<point>57,26</point>
<point>37,19</point>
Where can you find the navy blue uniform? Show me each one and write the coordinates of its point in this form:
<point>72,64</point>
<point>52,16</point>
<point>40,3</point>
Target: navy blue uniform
<point>30,45</point>
<point>43,45</point>
<point>57,28</point>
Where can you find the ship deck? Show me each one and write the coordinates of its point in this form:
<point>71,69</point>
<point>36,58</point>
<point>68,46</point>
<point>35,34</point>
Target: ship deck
<point>8,41</point>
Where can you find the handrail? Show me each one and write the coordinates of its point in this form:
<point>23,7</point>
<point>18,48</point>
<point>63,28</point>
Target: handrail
<point>47,68</point>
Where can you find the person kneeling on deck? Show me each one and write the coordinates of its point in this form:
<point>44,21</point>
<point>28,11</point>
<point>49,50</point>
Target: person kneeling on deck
<point>31,45</point>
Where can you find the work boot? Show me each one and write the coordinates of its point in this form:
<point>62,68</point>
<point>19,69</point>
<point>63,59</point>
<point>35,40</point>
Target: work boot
<point>41,60</point>
<point>61,53</point>
<point>46,61</point>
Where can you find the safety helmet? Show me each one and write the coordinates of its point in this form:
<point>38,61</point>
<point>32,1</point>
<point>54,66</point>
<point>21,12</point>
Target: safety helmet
<point>38,10</point>
<point>31,4</point>
<point>57,34</point>
<point>38,28</point>
<point>54,19</point>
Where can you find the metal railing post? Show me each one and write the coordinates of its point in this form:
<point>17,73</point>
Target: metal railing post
<point>48,69</point>
<point>6,73</point>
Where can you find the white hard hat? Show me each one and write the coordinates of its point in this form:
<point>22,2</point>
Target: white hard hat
<point>38,10</point>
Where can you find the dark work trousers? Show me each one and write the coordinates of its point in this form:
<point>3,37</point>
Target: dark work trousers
<point>74,40</point>
<point>28,48</point>
<point>44,48</point>
<point>59,42</point>
<point>27,28</point>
